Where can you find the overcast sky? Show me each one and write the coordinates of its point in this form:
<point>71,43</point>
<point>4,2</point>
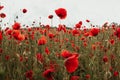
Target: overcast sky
<point>97,11</point>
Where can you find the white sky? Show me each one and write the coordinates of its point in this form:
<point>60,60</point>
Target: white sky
<point>97,11</point>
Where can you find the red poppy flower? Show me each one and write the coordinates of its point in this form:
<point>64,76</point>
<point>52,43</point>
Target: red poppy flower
<point>39,57</point>
<point>42,40</point>
<point>71,63</point>
<point>112,41</point>
<point>65,54</point>
<point>116,73</point>
<point>94,31</point>
<point>117,32</point>
<point>75,32</point>
<point>85,44</point>
<point>16,26</point>
<point>64,28</point>
<point>86,34</point>
<point>47,50</point>
<point>74,78</point>
<point>50,16</point>
<point>80,22</point>
<point>61,13</point>
<point>93,47</point>
<point>51,35</point>
<point>87,76</point>
<point>21,58</point>
<point>24,10</point>
<point>111,68</point>
<point>48,74</point>
<point>105,59</point>
<point>21,37</point>
<point>7,57</point>
<point>2,15</point>
<point>87,20</point>
<point>0,36</point>
<point>60,27</point>
<point>15,34</point>
<point>7,28</point>
<point>47,27</point>
<point>78,25</point>
<point>29,74</point>
<point>1,7</point>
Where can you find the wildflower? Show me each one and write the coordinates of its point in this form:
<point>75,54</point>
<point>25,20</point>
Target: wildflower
<point>94,31</point>
<point>51,35</point>
<point>21,58</point>
<point>29,74</point>
<point>1,7</point>
<point>47,50</point>
<point>2,15</point>
<point>117,32</point>
<point>15,34</point>
<point>50,16</point>
<point>75,32</point>
<point>60,27</point>
<point>111,68</point>
<point>78,25</point>
<point>47,27</point>
<point>16,26</point>
<point>48,74</point>
<point>105,59</point>
<point>74,78</point>
<point>87,76</point>
<point>87,20</point>
<point>86,34</point>
<point>116,73</point>
<point>39,57</point>
<point>24,10</point>
<point>65,54</point>
<point>61,13</point>
<point>42,40</point>
<point>85,44</point>
<point>71,63</point>
<point>7,57</point>
<point>93,47</point>
<point>21,37</point>
<point>112,41</point>
<point>0,35</point>
<point>80,22</point>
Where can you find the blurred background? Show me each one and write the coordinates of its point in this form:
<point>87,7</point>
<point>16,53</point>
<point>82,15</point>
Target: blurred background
<point>97,11</point>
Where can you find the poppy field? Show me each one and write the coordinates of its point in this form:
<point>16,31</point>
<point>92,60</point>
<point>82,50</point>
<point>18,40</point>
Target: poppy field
<point>59,53</point>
